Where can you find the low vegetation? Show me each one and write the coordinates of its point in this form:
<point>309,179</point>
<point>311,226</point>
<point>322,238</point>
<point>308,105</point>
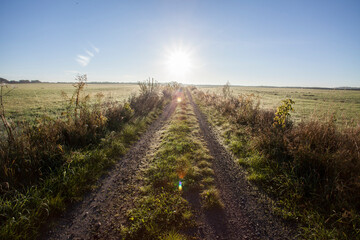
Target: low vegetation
<point>317,104</point>
<point>50,164</point>
<point>29,101</point>
<point>312,168</point>
<point>180,164</point>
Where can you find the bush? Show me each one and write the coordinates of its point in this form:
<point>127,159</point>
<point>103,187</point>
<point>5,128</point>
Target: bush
<point>33,154</point>
<point>117,114</point>
<point>327,160</point>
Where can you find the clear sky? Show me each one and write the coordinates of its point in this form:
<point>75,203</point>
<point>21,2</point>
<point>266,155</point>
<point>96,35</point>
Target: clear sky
<point>277,43</point>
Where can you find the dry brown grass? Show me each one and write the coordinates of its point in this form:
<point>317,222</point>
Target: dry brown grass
<point>313,166</point>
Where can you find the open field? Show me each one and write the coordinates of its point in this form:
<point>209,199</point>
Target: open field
<point>28,101</point>
<point>319,103</point>
<point>207,167</point>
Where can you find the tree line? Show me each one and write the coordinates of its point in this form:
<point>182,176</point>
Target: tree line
<point>3,80</point>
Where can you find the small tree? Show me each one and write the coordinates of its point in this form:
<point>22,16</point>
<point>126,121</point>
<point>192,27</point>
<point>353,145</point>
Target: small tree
<point>79,86</point>
<point>226,90</point>
<point>148,86</point>
<point>283,112</point>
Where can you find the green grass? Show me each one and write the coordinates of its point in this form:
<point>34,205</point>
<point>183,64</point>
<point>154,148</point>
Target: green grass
<point>181,156</point>
<point>28,101</point>
<point>317,103</point>
<point>210,199</point>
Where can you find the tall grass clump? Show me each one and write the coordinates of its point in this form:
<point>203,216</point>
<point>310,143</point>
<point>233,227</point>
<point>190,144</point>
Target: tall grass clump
<point>85,123</point>
<point>312,168</point>
<point>4,91</point>
<point>149,96</point>
<point>52,163</point>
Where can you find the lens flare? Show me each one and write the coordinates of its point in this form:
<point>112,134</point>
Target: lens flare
<point>180,185</point>
<point>179,99</point>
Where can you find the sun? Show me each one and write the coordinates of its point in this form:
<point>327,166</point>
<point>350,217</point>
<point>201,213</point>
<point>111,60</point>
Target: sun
<point>179,62</point>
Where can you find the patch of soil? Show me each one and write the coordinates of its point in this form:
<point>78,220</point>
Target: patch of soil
<point>101,213</point>
<point>247,212</point>
<point>210,224</point>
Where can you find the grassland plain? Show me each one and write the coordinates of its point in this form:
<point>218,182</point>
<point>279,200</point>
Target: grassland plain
<point>28,101</point>
<point>309,103</point>
<point>311,169</point>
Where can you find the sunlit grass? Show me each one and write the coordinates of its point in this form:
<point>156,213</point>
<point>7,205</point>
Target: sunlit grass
<point>317,103</point>
<point>28,101</point>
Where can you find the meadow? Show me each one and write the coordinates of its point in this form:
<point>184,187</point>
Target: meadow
<point>309,103</point>
<point>28,101</point>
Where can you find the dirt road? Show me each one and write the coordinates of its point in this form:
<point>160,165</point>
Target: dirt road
<point>246,213</point>
<point>101,212</point>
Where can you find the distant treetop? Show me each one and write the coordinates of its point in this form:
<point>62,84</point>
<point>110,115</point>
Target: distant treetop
<point>3,80</point>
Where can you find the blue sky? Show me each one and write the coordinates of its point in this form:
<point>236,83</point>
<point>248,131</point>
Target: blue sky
<point>277,43</point>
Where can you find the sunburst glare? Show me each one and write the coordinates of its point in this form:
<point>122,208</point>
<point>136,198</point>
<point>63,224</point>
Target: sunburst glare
<point>179,62</point>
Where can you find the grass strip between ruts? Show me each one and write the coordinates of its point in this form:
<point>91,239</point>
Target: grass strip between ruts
<point>161,212</point>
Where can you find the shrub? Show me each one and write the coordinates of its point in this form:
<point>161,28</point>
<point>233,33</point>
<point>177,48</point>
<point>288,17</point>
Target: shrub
<point>226,90</point>
<point>33,154</point>
<point>282,114</point>
<point>84,124</point>
<point>117,114</point>
<point>328,161</point>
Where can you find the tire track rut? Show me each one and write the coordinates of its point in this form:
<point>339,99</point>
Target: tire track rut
<point>247,213</point>
<point>94,217</point>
